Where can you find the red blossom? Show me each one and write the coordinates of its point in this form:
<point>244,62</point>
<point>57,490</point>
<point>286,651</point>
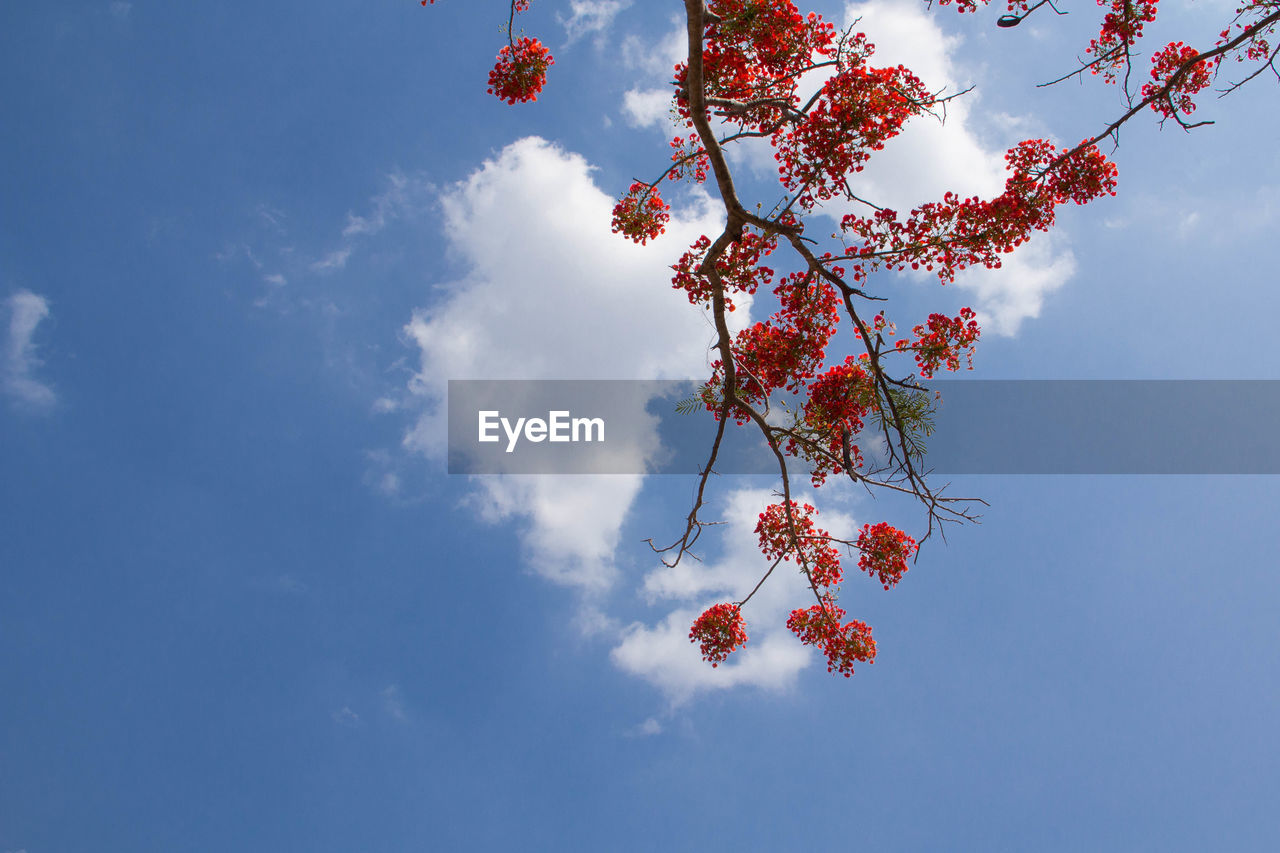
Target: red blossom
<point>641,214</point>
<point>754,54</point>
<point>948,236</point>
<point>811,545</point>
<point>839,400</point>
<point>521,71</point>
<point>1173,67</point>
<point>1121,28</point>
<point>885,551</point>
<point>943,341</point>
<point>858,110</point>
<point>689,158</point>
<point>718,631</point>
<point>739,269</point>
<point>789,348</point>
<point>843,644</point>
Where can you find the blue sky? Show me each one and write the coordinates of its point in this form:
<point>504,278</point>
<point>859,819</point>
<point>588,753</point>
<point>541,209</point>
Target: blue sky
<point>245,608</point>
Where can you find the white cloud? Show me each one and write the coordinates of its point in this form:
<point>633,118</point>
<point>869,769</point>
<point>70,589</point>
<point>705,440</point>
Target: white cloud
<point>121,9</point>
<point>650,105</point>
<point>772,658</point>
<point>335,260</point>
<point>383,475</point>
<point>551,293</point>
<point>389,483</point>
<point>658,58</point>
<point>647,107</point>
<point>1017,290</point>
<point>590,16</point>
<point>26,311</point>
<point>272,217</point>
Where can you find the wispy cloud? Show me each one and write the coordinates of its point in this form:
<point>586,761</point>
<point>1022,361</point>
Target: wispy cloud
<point>590,16</point>
<point>656,58</point>
<point>648,728</point>
<point>335,260</point>
<point>17,371</point>
<point>344,716</point>
<point>384,207</point>
<point>404,196</point>
<point>121,9</point>
<point>393,703</point>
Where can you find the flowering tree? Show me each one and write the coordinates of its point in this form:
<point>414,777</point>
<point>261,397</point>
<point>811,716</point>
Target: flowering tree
<point>741,80</point>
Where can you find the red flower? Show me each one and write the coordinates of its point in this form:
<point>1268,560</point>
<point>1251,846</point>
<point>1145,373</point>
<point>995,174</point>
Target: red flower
<point>885,551</point>
<point>718,631</point>
<point>843,644</point>
<point>811,547</point>
<point>1167,69</point>
<point>641,214</point>
<point>521,71</point>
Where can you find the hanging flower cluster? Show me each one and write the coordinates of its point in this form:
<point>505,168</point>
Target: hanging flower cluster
<point>1177,77</point>
<point>719,631</point>
<point>839,400</point>
<point>521,71</point>
<point>641,214</point>
<point>943,341</point>
<point>739,269</point>
<point>794,536</point>
<point>842,643</point>
<point>885,551</point>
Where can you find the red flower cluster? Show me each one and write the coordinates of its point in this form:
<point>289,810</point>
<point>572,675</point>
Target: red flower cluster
<point>688,157</point>
<point>843,644</point>
<point>858,110</point>
<point>1256,46</point>
<point>948,236</point>
<point>885,551</point>
<point>521,71</point>
<point>754,54</point>
<point>787,349</point>
<point>641,214</point>
<point>812,546</point>
<point>739,268</point>
<point>943,340</point>
<point>1167,70</point>
<point>1121,27</point>
<point>838,401</point>
<point>718,631</point>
